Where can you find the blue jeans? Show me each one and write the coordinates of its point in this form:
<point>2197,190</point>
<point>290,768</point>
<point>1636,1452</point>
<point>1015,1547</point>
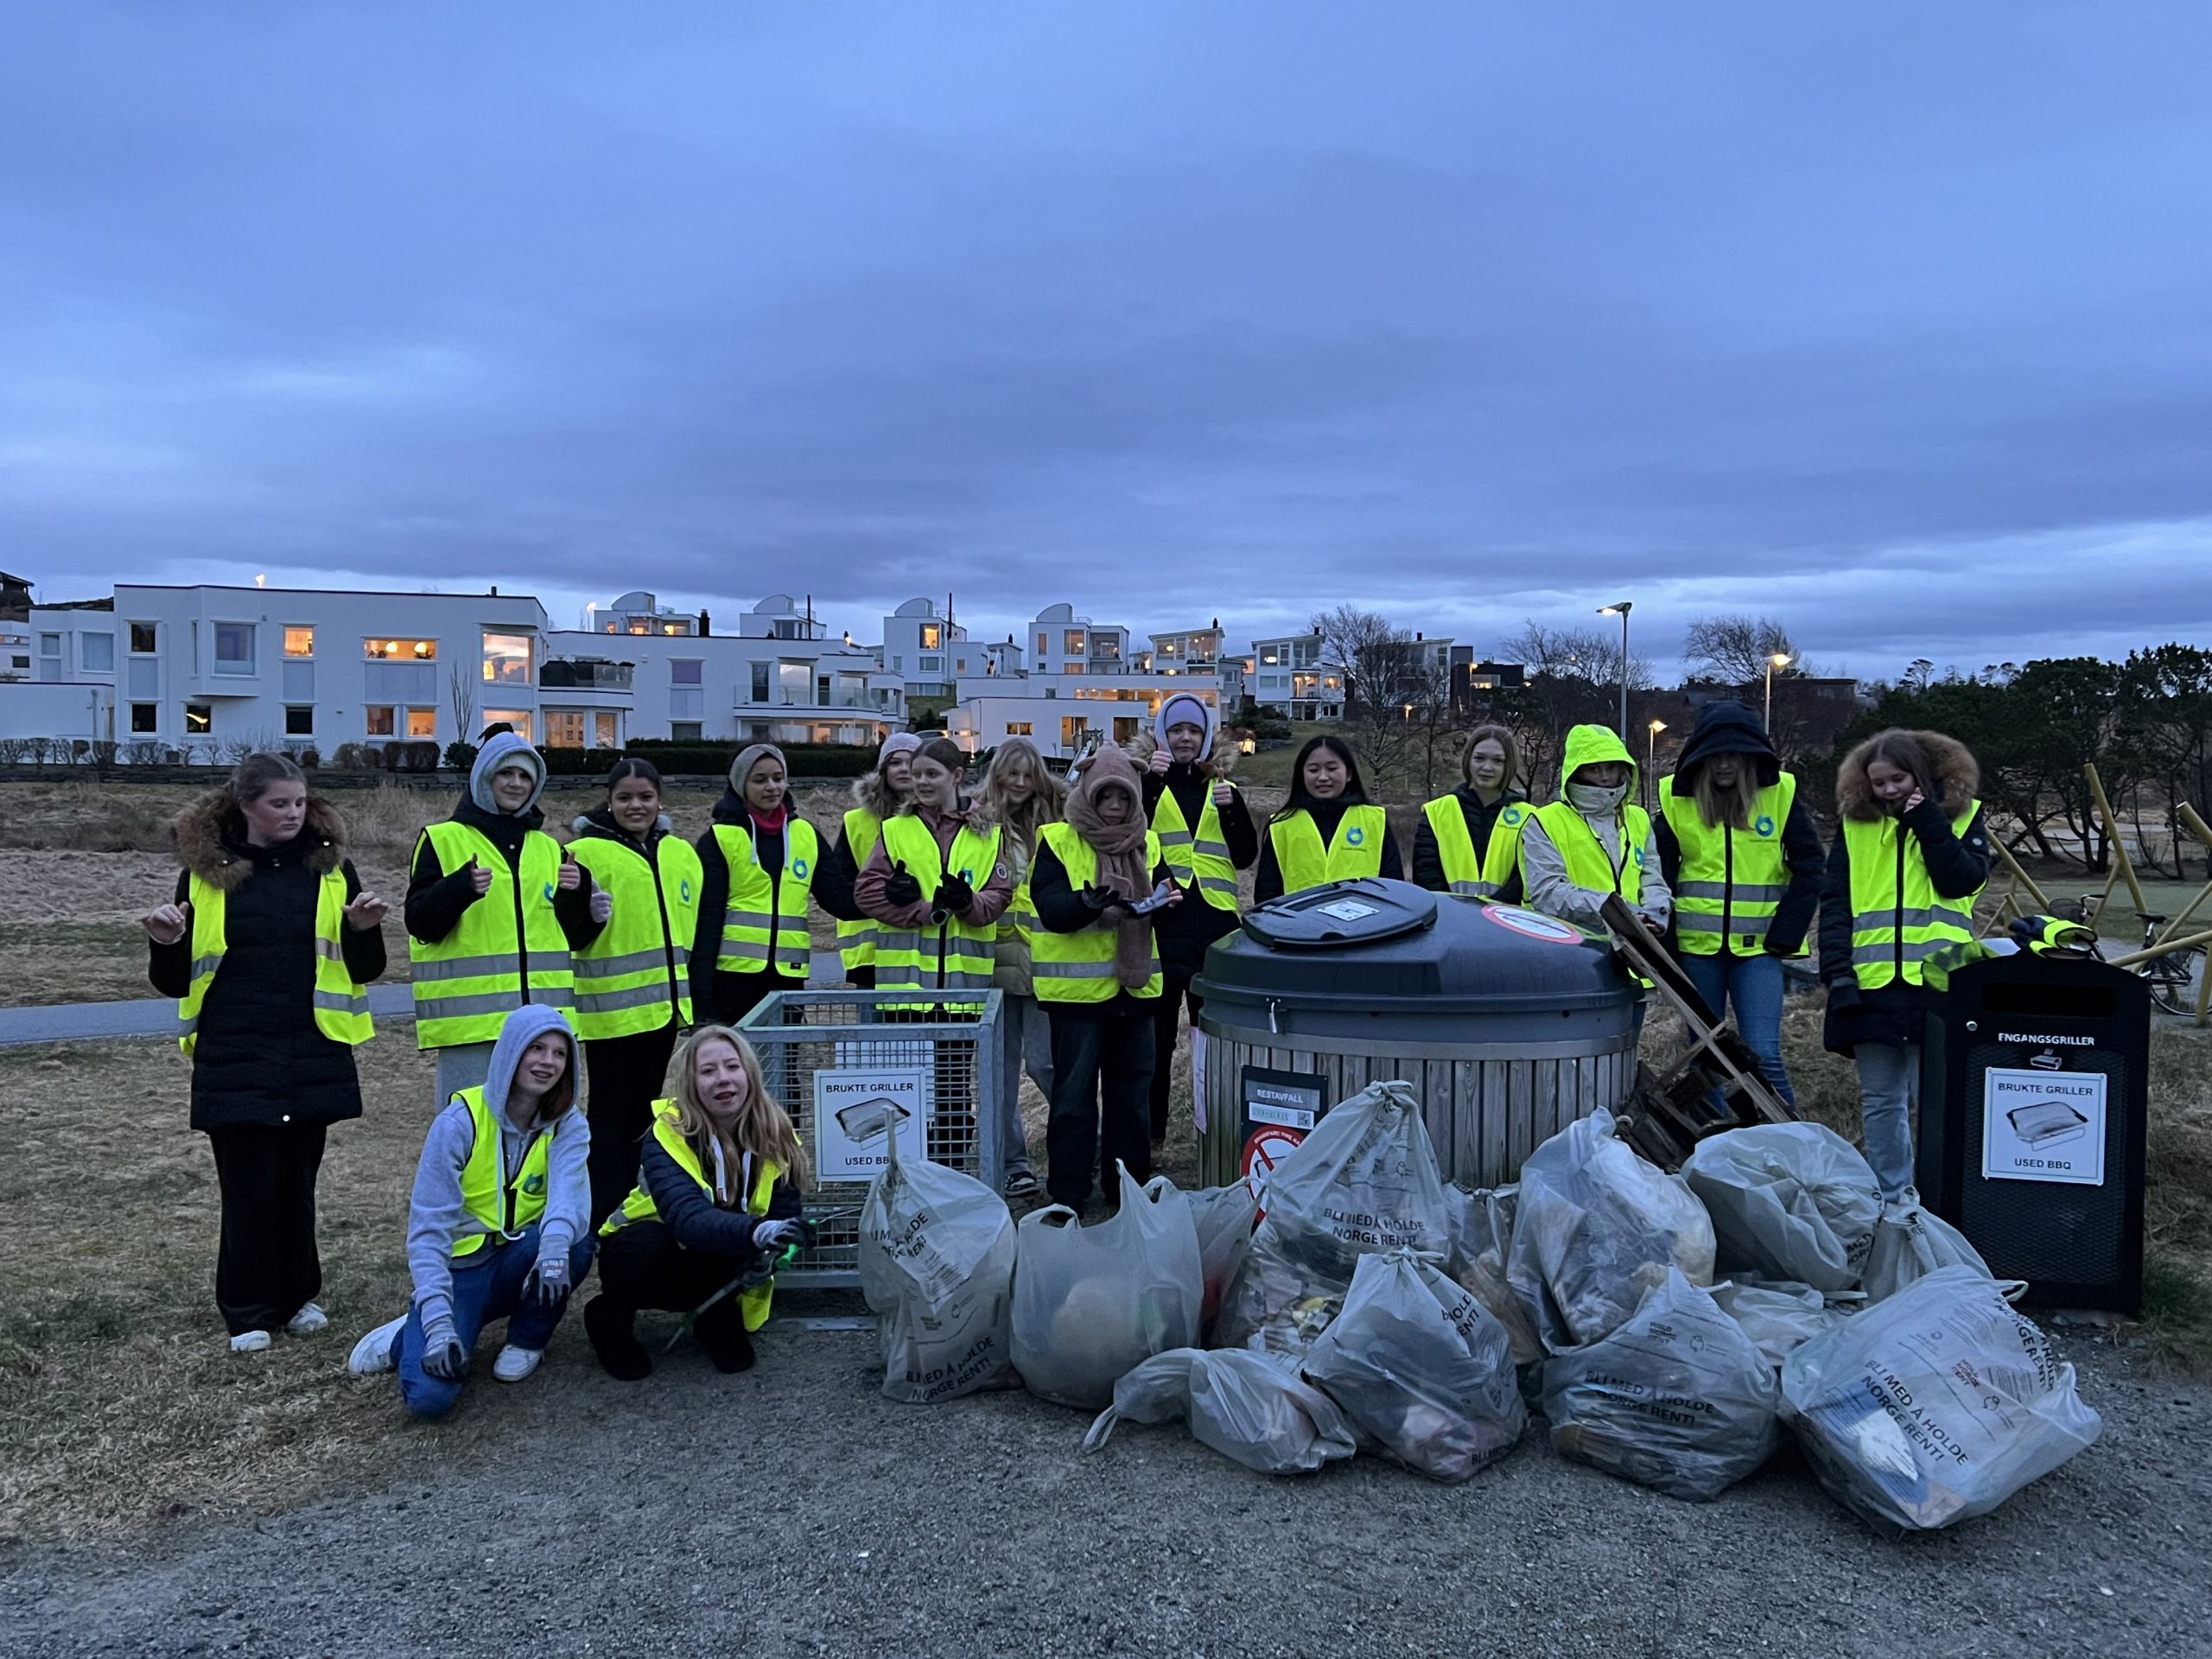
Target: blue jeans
<point>1753,984</point>
<point>482,1292</point>
<point>1889,1088</point>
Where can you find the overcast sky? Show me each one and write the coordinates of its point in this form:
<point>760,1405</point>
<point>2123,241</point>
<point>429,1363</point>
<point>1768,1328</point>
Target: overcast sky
<point>1891,321</point>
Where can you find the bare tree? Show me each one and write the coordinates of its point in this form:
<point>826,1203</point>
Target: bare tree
<point>460,697</point>
<point>1364,648</point>
<point>1737,649</point>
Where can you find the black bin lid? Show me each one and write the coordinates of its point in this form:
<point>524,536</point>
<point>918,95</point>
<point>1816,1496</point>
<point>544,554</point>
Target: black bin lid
<point>1367,911</point>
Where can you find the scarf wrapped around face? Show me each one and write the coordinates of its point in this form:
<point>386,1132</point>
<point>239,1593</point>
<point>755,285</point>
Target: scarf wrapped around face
<point>1122,869</point>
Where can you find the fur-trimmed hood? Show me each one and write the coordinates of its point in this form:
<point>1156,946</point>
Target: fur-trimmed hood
<point>1957,780</point>
<point>1219,764</point>
<point>872,794</point>
<point>211,832</point>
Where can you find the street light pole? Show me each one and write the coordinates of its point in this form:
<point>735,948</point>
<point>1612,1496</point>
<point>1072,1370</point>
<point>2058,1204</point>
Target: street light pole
<point>1652,761</point>
<point>1621,608</point>
<point>1779,659</point>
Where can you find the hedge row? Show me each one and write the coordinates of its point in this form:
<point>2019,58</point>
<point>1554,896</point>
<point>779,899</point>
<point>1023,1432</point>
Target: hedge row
<point>684,759</point>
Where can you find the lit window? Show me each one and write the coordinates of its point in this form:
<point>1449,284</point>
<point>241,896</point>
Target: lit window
<point>199,718</point>
<point>1072,642</point>
<point>518,718</point>
<point>1020,728</point>
<point>422,722</point>
<point>234,647</point>
<point>932,636</point>
<point>564,729</point>
<point>400,651</point>
<point>299,720</point>
<point>377,720</point>
<point>299,642</point>
<point>508,658</point>
<point>603,732</point>
<point>143,636</point>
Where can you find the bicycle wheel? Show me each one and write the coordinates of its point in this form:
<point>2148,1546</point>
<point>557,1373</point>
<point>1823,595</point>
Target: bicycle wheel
<point>2174,979</point>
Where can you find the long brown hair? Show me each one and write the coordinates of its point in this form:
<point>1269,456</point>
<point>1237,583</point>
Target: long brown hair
<point>1048,796</point>
<point>1733,805</point>
<point>763,1127</point>
<point>1502,736</point>
<point>256,775</point>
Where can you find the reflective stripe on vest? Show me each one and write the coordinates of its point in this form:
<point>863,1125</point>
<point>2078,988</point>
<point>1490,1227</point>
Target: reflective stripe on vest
<point>1201,860</point>
<point>856,940</point>
<point>959,956</point>
<point>1078,967</point>
<point>636,976</point>
<point>1732,880</point>
<point>1355,851</point>
<point>342,1006</point>
<point>640,1205</point>
<point>1455,847</point>
<point>1897,918</point>
<point>501,1208</point>
<point>467,983</point>
<point>767,918</point>
<point>1502,858</point>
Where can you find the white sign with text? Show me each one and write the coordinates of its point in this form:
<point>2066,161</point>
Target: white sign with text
<point>2044,1126</point>
<point>856,1113</point>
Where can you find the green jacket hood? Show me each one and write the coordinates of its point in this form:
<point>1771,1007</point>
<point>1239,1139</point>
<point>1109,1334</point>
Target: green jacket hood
<point>1587,745</point>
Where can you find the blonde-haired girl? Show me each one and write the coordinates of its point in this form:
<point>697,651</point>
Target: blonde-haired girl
<point>1021,796</point>
<point>716,1203</point>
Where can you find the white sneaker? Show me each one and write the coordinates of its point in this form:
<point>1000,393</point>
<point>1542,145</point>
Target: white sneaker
<point>379,1350</point>
<point>515,1364</point>
<point>250,1342</point>
<point>307,1322</point>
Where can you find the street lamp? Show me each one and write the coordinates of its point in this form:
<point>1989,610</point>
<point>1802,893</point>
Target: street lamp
<point>1651,758</point>
<point>1780,660</point>
<point>1621,608</point>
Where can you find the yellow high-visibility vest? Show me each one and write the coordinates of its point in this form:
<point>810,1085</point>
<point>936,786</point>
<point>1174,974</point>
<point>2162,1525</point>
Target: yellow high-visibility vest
<point>507,949</point>
<point>1355,849</point>
<point>1897,918</point>
<point>856,940</point>
<point>765,922</point>
<point>1502,857</point>
<point>640,1206</point>
<point>1198,858</point>
<point>1078,967</point>
<point>1455,847</point>
<point>959,956</point>
<point>342,1006</point>
<point>501,1207</point>
<point>635,976</point>
<point>1731,880</point>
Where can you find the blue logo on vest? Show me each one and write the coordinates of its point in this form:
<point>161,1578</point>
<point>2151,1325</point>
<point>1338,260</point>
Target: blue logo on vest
<point>798,867</point>
<point>534,1185</point>
<point>1513,815</point>
<point>684,888</point>
<point>1354,835</point>
<point>549,892</point>
<point>1765,825</point>
<point>1639,857</point>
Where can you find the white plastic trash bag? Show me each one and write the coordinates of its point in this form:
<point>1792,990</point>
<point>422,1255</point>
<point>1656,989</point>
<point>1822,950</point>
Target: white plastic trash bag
<point>1934,1406</point>
<point>1790,1201</point>
<point>1366,1176</point>
<point>1419,1365</point>
<point>1779,1319</point>
<point>1482,1234</point>
<point>936,1266</point>
<point>1223,1216</point>
<point>1677,1399</point>
<point>1909,1243</point>
<point>1090,1304</point>
<point>1596,1228</point>
<point>1285,1294</point>
<point>1242,1404</point>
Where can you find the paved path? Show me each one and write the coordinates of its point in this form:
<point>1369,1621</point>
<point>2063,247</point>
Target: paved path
<point>155,1016</point>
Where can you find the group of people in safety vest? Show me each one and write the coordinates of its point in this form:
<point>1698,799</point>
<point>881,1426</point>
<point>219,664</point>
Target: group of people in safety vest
<point>594,1100</point>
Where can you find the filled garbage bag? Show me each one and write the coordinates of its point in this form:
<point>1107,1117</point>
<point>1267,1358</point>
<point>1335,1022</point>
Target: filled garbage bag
<point>1242,1404</point>
<point>1934,1405</point>
<point>1678,1398</point>
<point>1779,1319</point>
<point>1790,1201</point>
<point>1284,1294</point>
<point>1225,1216</point>
<point>1909,1243</point>
<point>1421,1366</point>
<point>1482,1234</point>
<point>1090,1304</point>
<point>1596,1228</point>
<point>937,1252</point>
<point>1366,1176</point>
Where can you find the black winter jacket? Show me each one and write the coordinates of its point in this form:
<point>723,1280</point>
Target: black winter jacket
<point>1267,881</point>
<point>713,992</point>
<point>1429,862</point>
<point>1185,932</point>
<point>697,1221</point>
<point>1892,1014</point>
<point>259,1058</point>
<point>437,898</point>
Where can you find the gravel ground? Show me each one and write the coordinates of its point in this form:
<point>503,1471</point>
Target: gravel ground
<point>794,1511</point>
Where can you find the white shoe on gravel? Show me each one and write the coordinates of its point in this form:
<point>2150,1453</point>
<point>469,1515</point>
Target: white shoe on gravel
<point>515,1364</point>
<point>379,1350</point>
<point>250,1342</point>
<point>307,1322</point>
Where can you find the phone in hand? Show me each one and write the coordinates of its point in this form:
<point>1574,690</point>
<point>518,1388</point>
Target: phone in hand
<point>1160,895</point>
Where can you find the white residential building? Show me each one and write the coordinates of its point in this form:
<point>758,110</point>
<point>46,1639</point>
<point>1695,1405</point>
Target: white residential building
<point>1085,687</point>
<point>1289,677</point>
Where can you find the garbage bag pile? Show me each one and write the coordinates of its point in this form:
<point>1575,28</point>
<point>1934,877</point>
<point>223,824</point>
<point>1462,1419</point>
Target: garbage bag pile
<point>1669,1326</point>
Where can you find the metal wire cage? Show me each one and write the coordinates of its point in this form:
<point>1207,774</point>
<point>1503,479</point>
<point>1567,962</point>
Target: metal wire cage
<point>951,1039</point>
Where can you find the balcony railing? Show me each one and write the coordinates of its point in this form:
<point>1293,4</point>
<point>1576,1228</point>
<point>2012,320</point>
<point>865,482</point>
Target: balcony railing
<point>585,674</point>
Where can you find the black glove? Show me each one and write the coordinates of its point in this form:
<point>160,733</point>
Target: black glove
<point>902,888</point>
<point>1097,899</point>
<point>954,894</point>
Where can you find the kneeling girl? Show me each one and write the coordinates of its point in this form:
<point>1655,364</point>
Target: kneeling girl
<point>716,1203</point>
